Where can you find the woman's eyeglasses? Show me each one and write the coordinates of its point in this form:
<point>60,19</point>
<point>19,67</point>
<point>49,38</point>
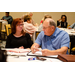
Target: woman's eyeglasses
<point>20,24</point>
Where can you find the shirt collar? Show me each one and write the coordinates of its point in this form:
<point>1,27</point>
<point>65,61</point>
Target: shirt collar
<point>56,32</point>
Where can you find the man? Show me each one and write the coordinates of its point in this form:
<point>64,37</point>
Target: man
<point>52,40</point>
<point>7,18</point>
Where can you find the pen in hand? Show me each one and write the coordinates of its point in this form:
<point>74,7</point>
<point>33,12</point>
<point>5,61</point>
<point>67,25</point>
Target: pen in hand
<point>35,49</point>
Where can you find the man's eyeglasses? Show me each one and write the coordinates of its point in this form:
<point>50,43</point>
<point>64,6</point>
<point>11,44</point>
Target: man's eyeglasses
<point>46,27</point>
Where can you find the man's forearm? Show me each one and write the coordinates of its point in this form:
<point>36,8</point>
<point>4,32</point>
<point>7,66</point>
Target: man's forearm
<point>62,50</point>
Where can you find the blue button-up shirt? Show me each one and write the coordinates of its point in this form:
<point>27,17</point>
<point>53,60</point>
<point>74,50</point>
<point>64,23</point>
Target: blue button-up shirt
<point>59,39</point>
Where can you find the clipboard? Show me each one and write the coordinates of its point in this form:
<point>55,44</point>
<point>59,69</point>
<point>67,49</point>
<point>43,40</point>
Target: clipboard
<point>28,54</point>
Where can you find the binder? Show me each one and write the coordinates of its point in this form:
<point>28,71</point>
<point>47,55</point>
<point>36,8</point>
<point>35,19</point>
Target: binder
<point>51,56</point>
<point>66,57</point>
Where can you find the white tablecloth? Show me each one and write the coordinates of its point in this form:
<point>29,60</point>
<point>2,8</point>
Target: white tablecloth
<point>25,59</point>
<point>69,31</point>
<point>21,58</point>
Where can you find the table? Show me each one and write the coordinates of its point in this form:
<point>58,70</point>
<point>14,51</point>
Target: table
<point>25,58</point>
<point>71,32</point>
<point>3,24</point>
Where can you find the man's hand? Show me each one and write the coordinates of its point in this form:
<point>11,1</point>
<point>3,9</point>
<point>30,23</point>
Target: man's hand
<point>5,20</point>
<point>46,52</point>
<point>35,47</point>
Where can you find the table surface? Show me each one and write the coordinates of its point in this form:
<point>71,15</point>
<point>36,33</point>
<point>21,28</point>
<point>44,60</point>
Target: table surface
<point>19,58</point>
<point>69,31</point>
<point>25,59</point>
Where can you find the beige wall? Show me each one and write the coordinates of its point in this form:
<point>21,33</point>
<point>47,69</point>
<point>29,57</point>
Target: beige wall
<point>37,16</point>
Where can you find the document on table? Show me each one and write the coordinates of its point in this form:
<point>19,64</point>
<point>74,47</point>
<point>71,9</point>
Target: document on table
<point>18,52</point>
<point>36,53</point>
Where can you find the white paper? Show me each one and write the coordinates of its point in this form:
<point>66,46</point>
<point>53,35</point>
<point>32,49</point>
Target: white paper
<point>36,53</point>
<point>18,52</point>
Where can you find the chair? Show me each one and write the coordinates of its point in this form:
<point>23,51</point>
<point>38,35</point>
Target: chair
<point>2,32</point>
<point>68,26</point>
<point>6,27</point>
<point>9,30</point>
<point>35,34</point>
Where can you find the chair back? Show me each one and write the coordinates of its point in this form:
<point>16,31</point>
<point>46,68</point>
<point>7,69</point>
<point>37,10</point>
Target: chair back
<point>0,26</point>
<point>36,34</point>
<point>6,27</point>
<point>9,29</point>
<point>68,26</point>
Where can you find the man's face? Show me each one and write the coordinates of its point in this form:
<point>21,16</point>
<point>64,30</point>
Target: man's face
<point>7,14</point>
<point>47,28</point>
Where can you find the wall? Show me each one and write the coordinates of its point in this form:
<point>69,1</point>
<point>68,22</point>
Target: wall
<point>37,16</point>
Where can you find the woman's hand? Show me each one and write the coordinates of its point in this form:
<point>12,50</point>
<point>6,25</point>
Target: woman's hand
<point>21,47</point>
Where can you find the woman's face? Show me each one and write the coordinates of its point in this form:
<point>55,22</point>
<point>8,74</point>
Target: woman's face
<point>19,26</point>
<point>63,19</point>
<point>29,21</point>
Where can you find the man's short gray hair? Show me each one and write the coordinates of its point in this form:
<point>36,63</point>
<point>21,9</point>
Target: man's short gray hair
<point>52,23</point>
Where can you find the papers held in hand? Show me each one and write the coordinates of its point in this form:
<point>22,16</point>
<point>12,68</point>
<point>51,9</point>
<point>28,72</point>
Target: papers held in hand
<point>17,52</point>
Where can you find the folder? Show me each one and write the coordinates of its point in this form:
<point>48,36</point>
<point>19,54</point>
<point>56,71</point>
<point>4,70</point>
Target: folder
<point>66,57</point>
<point>39,55</point>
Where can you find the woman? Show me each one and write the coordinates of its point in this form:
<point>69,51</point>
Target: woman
<point>46,16</point>
<point>40,27</point>
<point>62,23</point>
<point>18,38</point>
<point>28,27</point>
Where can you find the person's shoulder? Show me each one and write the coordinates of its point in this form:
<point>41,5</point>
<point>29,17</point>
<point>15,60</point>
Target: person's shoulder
<point>41,33</point>
<point>10,35</point>
<point>63,32</point>
<point>10,16</point>
<point>27,34</point>
<point>4,16</point>
<point>25,23</point>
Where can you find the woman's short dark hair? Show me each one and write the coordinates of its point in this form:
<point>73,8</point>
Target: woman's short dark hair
<point>14,23</point>
<point>65,17</point>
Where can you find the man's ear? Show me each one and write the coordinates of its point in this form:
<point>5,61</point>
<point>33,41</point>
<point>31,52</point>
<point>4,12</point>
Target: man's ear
<point>52,28</point>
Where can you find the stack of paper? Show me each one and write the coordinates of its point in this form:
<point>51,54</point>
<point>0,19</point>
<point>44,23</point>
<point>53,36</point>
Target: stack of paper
<point>17,52</point>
